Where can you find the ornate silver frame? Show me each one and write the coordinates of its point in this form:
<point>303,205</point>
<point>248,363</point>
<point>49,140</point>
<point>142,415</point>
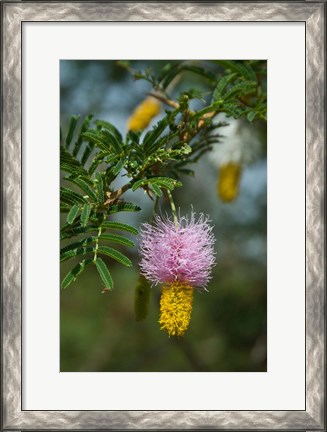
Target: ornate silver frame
<point>314,15</point>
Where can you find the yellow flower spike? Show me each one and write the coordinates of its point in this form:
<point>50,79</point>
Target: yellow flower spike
<point>143,114</point>
<point>228,181</point>
<point>175,308</point>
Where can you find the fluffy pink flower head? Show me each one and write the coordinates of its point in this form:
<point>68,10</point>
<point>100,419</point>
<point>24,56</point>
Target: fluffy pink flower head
<point>182,251</point>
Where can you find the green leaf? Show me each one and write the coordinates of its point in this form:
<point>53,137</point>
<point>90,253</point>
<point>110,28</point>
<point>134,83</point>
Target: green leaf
<point>113,253</point>
<point>94,137</point>
<point>160,143</point>
<point>64,208</point>
<point>251,116</point>
<point>71,129</point>
<point>71,196</point>
<point>76,245</point>
<point>133,137</point>
<point>76,271</point>
<point>156,189</point>
<point>103,156</point>
<point>242,69</point>
<point>69,164</point>
<point>104,273</point>
<point>111,128</point>
<point>220,87</point>
<point>73,212</point>
<point>153,134</point>
<point>99,187</point>
<point>85,186</point>
<point>123,206</point>
<point>115,144</point>
<point>165,182</point>
<point>119,226</point>
<point>87,152</point>
<point>141,298</point>
<point>118,167</point>
<point>85,214</point>
<point>117,239</point>
<point>75,252</point>
<point>73,171</point>
<point>239,89</point>
<point>79,142</point>
<point>65,234</point>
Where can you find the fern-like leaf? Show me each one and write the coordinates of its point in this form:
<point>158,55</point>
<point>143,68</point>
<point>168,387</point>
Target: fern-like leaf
<point>76,271</point>
<point>118,167</point>
<point>85,214</point>
<point>154,134</point>
<point>156,189</point>
<point>73,212</point>
<point>115,238</point>
<point>116,255</point>
<point>103,156</point>
<point>165,182</point>
<point>71,196</point>
<point>111,128</point>
<point>115,144</point>
<point>99,187</point>
<point>87,152</point>
<point>66,234</point>
<point>79,142</point>
<point>104,273</point>
<point>71,129</point>
<point>84,184</point>
<point>221,85</point>
<point>119,226</point>
<point>123,206</point>
<point>76,252</point>
<point>76,245</point>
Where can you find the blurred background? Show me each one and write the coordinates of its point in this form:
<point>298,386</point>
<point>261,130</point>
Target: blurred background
<point>227,333</point>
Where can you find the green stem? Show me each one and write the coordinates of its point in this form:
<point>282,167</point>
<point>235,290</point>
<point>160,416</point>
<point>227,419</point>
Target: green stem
<point>173,207</point>
<point>97,240</point>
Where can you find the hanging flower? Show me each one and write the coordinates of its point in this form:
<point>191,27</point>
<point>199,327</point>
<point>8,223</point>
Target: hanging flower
<point>240,147</point>
<point>143,114</point>
<point>180,255</point>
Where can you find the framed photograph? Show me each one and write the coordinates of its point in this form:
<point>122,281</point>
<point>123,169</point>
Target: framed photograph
<point>177,149</point>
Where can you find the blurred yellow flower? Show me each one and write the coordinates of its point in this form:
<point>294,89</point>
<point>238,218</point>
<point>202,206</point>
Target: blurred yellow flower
<point>143,114</point>
<point>228,181</point>
<point>240,147</point>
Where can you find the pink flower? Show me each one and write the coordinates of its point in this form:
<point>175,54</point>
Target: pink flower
<point>180,252</point>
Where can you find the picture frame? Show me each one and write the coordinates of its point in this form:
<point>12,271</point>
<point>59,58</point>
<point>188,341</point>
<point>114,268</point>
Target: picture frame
<point>14,14</point>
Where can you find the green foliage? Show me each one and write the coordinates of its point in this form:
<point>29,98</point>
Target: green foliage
<point>119,226</point>
<point>76,271</point>
<point>164,182</point>
<point>85,214</point>
<point>116,238</point>
<point>116,255</point>
<point>104,273</point>
<point>94,154</point>
<point>125,207</point>
<point>73,213</point>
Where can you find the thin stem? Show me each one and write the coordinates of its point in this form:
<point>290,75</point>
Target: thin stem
<point>97,244</point>
<point>173,207</point>
<point>97,240</point>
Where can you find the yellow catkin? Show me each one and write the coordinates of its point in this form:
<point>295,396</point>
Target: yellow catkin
<point>143,114</point>
<point>228,181</point>
<point>175,308</point>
